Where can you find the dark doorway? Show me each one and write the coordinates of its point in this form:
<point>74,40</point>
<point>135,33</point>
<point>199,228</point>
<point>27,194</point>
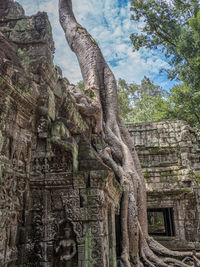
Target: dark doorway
<point>161,221</point>
<point>118,235</point>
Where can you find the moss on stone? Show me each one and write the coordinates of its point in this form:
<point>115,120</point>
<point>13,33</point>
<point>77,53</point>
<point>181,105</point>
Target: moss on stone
<point>24,59</point>
<point>112,257</point>
<point>89,261</point>
<point>161,164</point>
<point>74,116</point>
<point>24,25</point>
<point>91,93</point>
<point>75,158</point>
<point>169,179</point>
<point>51,105</point>
<point>196,177</point>
<point>1,140</point>
<point>169,192</point>
<point>22,31</point>
<point>146,175</point>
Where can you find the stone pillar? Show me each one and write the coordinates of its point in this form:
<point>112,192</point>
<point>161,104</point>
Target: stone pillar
<point>112,237</point>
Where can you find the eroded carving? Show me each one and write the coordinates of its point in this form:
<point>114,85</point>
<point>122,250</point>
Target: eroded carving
<point>55,193</point>
<point>66,248</point>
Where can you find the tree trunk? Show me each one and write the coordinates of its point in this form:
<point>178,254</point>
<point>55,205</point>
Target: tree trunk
<point>138,249</point>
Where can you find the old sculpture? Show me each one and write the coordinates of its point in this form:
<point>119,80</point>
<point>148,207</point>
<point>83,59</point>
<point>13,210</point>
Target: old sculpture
<point>66,248</point>
<point>66,156</point>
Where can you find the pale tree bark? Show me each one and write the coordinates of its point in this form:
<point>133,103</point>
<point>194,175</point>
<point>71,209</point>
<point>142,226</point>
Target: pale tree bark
<point>138,249</point>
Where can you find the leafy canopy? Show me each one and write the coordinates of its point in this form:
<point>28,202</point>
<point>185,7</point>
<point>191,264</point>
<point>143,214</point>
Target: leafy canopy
<point>141,103</point>
<point>173,27</point>
<point>148,102</point>
<point>184,104</point>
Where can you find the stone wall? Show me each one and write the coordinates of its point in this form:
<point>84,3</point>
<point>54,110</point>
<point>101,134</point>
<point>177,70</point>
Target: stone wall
<point>170,158</point>
<point>59,204</point>
<point>58,201</point>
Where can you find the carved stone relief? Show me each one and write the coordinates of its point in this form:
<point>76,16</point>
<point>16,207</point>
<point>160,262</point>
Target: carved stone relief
<point>66,247</point>
<point>57,200</point>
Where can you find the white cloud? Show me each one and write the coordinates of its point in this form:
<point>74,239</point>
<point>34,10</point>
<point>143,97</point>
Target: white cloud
<point>111,27</point>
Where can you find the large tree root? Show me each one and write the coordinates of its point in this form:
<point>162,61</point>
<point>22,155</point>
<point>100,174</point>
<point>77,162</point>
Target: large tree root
<point>138,249</point>
<point>162,251</point>
<point>154,254</point>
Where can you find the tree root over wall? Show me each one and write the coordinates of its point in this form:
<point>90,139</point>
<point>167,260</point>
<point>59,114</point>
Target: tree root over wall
<point>138,249</point>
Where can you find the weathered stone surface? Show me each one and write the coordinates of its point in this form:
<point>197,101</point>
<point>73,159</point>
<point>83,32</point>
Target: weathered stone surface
<point>54,188</point>
<point>169,154</point>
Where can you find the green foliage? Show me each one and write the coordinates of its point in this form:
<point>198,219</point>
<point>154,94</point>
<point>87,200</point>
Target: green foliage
<point>148,102</point>
<point>81,85</point>
<point>124,92</point>
<point>89,92</point>
<point>141,103</point>
<point>174,27</point>
<point>184,104</point>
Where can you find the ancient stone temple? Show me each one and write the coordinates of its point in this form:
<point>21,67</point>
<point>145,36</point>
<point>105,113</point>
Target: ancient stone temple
<point>169,153</point>
<point>58,200</point>
<point>59,204</point>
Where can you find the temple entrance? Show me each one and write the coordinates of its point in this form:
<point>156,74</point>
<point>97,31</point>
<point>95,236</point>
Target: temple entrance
<point>118,235</point>
<point>161,221</point>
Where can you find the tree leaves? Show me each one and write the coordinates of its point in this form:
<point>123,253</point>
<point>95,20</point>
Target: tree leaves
<point>173,27</point>
<point>141,103</point>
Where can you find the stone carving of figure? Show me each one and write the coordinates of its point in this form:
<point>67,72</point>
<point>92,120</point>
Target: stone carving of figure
<point>42,127</point>
<point>66,248</point>
<point>42,115</point>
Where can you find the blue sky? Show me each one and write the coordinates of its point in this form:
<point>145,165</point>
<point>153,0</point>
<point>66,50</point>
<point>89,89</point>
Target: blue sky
<point>108,21</point>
